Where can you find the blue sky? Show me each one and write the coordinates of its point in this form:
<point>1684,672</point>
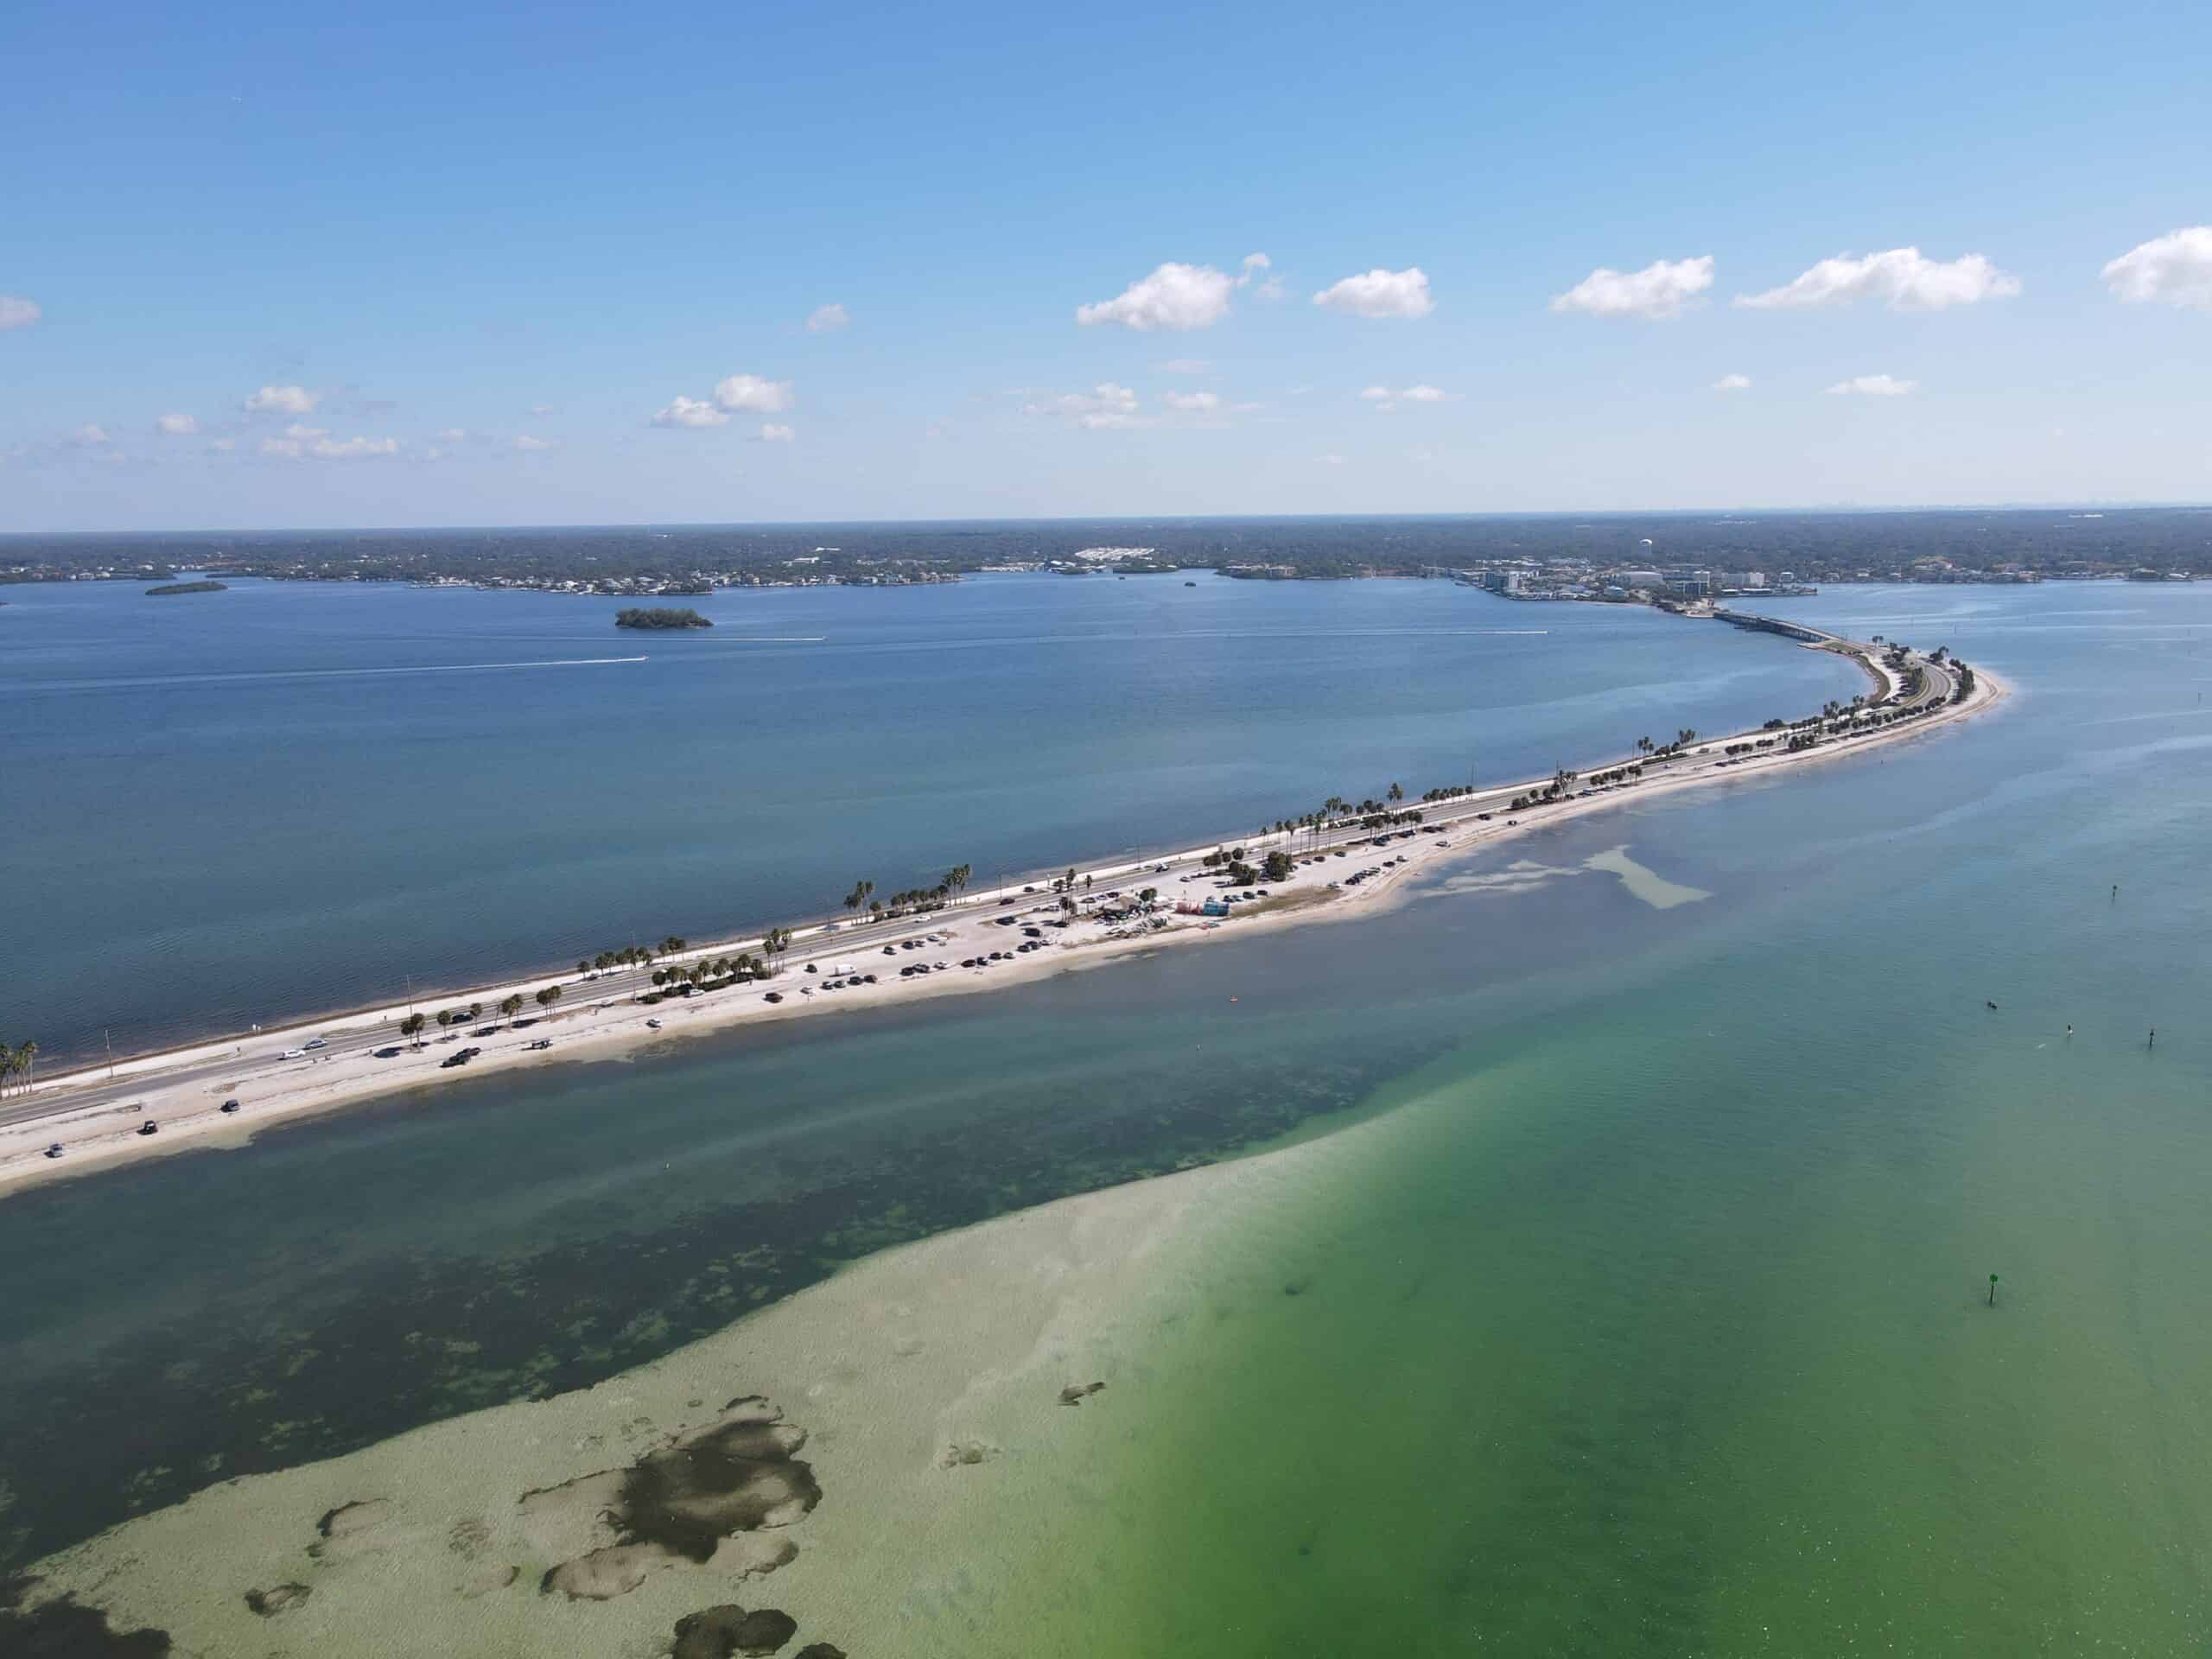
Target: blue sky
<point>539,230</point>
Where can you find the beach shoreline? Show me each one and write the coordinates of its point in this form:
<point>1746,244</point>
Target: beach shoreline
<point>97,1122</point>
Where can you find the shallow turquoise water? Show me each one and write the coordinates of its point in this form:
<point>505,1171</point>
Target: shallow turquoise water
<point>1643,1314</point>
<point>1661,1324</point>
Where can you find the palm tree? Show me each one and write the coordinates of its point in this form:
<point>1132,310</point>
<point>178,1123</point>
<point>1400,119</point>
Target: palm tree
<point>445,1018</point>
<point>549,996</point>
<point>1397,792</point>
<point>511,1005</point>
<point>412,1027</point>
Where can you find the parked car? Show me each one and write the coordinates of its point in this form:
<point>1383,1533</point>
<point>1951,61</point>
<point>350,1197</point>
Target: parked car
<point>228,1106</point>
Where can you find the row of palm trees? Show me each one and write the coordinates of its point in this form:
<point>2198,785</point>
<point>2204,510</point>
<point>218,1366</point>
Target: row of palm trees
<point>18,1060</point>
<point>511,1005</point>
<point>1336,810</point>
<point>709,970</point>
<point>914,898</point>
<point>631,956</point>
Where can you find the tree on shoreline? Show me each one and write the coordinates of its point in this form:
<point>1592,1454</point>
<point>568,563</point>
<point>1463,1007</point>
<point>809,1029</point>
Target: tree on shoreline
<point>22,1057</point>
<point>549,996</point>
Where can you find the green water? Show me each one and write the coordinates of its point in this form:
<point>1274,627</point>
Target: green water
<point>1635,1300</point>
<point>1661,1324</point>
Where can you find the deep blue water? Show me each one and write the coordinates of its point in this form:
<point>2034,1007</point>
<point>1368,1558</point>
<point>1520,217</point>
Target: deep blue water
<point>223,808</point>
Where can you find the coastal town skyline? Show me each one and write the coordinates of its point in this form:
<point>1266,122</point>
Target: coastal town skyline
<point>400,283</point>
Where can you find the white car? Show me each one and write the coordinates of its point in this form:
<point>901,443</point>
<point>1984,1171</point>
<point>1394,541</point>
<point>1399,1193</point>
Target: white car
<point>293,1054</point>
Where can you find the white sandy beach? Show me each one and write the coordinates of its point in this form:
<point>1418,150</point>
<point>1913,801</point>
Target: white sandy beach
<point>274,1084</point>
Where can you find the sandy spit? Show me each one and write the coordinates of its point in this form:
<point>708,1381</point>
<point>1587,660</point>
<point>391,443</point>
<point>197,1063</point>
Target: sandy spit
<point>274,1090</point>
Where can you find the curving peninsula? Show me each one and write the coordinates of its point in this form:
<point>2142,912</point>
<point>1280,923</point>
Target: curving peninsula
<point>1339,859</point>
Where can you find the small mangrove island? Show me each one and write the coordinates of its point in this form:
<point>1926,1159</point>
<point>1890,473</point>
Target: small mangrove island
<point>169,587</point>
<point>661,617</point>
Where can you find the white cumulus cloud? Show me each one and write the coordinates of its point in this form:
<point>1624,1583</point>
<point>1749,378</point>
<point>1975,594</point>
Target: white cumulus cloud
<point>1732,383</point>
<point>1380,293</point>
<point>826,319</point>
<point>1382,398</point>
<point>750,391</point>
<point>175,426</point>
<point>691,411</point>
<point>2175,269</point>
<point>282,400</point>
<point>453,434</point>
<point>90,435</point>
<point>1105,406</point>
<point>313,443</point>
<point>15,312</point>
<point>1661,290</point>
<point>531,446</point>
<point>1904,278</point>
<point>1186,365</point>
<point>1192,402</point>
<point>1174,296</point>
<point>772,433</point>
<point>1873,385</point>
